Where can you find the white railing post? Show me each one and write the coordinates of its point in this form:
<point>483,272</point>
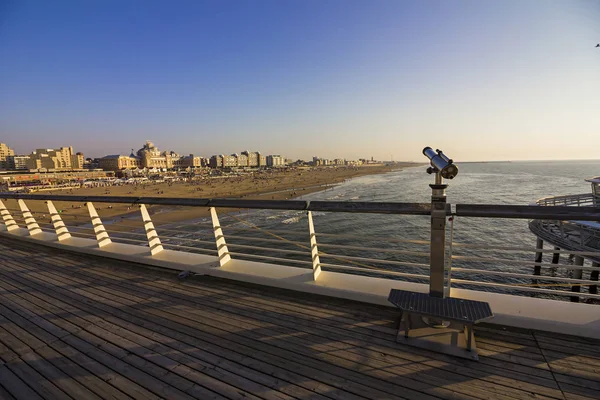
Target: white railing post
<point>31,223</point>
<point>222,249</point>
<point>153,240</point>
<point>314,251</point>
<point>101,233</point>
<point>62,232</point>
<point>7,217</point>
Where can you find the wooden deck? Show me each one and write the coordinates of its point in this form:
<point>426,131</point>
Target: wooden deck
<point>80,327</point>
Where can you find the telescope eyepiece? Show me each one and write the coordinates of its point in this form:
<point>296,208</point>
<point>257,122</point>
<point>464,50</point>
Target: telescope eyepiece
<point>441,162</point>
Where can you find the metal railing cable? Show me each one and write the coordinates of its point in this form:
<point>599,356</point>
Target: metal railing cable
<point>347,259</point>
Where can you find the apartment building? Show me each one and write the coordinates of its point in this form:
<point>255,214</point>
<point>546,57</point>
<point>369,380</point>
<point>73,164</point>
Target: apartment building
<point>62,159</point>
<point>17,162</point>
<point>5,153</point>
<point>275,160</point>
<point>190,161</point>
<point>118,162</point>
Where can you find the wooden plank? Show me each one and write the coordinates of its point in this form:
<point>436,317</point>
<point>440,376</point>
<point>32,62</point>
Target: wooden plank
<point>254,303</point>
<point>231,392</point>
<point>137,300</point>
<point>114,362</point>
<point>318,387</point>
<point>346,310</point>
<point>97,386</point>
<point>577,392</point>
<point>346,382</point>
<point>347,307</point>
<point>551,336</point>
<point>4,394</point>
<point>566,346</point>
<point>309,319</point>
<point>123,354</point>
<point>104,374</point>
<point>204,366</point>
<point>55,357</point>
<point>12,347</point>
<point>86,378</point>
<point>31,365</point>
<point>577,374</point>
<point>35,380</point>
<point>61,380</point>
<point>495,364</point>
<point>179,370</point>
<point>280,317</point>
<point>15,386</point>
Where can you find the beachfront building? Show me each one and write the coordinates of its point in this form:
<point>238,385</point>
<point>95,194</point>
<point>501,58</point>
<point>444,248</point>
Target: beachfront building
<point>255,159</point>
<point>5,153</point>
<point>251,159</point>
<point>216,161</point>
<point>317,161</point>
<point>241,160</point>
<point>91,163</point>
<point>275,160</point>
<point>78,161</point>
<point>230,161</point>
<point>118,162</point>
<point>17,162</point>
<point>151,157</point>
<point>190,161</point>
<point>62,159</point>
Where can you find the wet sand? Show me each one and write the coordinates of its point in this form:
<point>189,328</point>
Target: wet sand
<point>271,185</point>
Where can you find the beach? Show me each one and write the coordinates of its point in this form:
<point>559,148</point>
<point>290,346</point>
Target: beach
<point>274,184</point>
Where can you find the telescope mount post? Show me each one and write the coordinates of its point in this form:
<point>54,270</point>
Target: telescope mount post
<point>438,238</point>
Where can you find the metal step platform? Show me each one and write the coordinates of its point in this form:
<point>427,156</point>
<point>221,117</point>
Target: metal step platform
<point>439,324</point>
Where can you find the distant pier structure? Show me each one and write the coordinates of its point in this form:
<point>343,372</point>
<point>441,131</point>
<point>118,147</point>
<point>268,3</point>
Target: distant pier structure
<point>574,239</point>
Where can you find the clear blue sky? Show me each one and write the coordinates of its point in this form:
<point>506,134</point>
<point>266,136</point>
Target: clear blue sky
<point>483,80</point>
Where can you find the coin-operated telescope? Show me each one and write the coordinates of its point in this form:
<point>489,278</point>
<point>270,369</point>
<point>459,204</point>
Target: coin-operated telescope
<point>440,163</point>
<point>444,168</point>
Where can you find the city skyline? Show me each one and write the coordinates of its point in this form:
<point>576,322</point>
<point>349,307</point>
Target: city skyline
<point>485,81</point>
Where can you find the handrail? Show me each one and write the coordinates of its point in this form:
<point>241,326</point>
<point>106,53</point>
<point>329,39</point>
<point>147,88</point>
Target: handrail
<point>465,210</point>
<point>578,199</point>
<point>298,205</point>
<point>528,212</point>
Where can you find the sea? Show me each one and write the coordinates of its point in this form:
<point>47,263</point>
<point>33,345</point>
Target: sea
<point>357,238</point>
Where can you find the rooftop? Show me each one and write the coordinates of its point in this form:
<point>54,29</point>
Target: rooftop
<point>75,326</point>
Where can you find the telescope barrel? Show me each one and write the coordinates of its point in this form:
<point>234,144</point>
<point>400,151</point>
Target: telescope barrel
<point>444,157</point>
<point>429,152</point>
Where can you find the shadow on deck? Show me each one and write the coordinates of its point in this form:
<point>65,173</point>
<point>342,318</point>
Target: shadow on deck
<point>80,327</point>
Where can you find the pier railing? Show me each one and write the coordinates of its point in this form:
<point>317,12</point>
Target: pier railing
<point>579,200</point>
<point>228,236</point>
<point>573,234</point>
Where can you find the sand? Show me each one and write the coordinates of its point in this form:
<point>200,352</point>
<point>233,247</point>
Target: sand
<point>272,184</point>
